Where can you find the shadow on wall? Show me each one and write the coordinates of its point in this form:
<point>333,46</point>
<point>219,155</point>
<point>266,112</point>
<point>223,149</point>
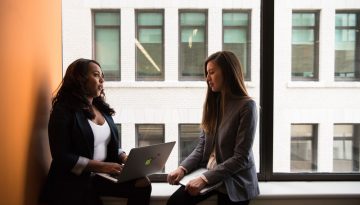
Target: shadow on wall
<point>38,156</point>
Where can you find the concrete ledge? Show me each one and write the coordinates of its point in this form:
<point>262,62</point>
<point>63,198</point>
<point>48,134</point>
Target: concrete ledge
<point>279,193</point>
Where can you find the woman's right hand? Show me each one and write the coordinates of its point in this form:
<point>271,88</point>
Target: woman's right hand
<point>104,167</point>
<point>112,168</point>
<point>175,176</point>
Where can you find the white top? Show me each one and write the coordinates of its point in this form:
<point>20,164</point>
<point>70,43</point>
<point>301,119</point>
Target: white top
<point>102,135</point>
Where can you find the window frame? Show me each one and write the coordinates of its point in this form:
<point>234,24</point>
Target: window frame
<point>117,74</point>
<point>247,77</point>
<point>181,69</point>
<point>314,144</point>
<point>137,30</point>
<point>316,29</point>
<point>266,113</point>
<point>355,139</point>
<point>357,46</point>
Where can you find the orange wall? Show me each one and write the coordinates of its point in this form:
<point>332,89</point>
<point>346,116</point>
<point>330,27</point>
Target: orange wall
<point>30,69</point>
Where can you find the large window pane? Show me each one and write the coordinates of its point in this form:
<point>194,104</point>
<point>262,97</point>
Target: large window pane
<point>304,46</point>
<point>347,46</point>
<point>149,46</point>
<point>193,44</point>
<point>236,37</point>
<point>107,43</point>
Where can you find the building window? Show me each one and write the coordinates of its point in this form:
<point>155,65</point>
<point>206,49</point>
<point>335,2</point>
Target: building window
<point>346,147</point>
<point>107,42</point>
<point>188,137</point>
<point>193,44</point>
<point>236,37</point>
<point>305,49</point>
<point>149,45</point>
<point>149,134</point>
<point>118,127</point>
<point>303,147</point>
<point>347,46</point>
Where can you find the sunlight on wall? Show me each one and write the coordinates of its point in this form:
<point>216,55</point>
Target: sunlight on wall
<point>30,56</point>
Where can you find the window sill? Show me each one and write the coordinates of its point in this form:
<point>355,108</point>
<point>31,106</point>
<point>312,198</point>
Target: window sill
<point>283,190</point>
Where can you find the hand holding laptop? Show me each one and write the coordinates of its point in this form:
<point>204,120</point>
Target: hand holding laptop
<point>195,184</point>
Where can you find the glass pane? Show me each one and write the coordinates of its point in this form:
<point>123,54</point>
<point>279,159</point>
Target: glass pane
<point>107,19</point>
<point>150,19</point>
<point>240,50</point>
<point>192,19</point>
<point>345,19</point>
<point>189,137</point>
<point>107,49</point>
<point>303,19</point>
<point>235,36</point>
<point>149,134</point>
<point>192,59</point>
<point>118,127</point>
<point>303,36</point>
<point>150,36</point>
<point>192,35</point>
<point>235,19</point>
<point>149,61</point>
<point>303,61</point>
<point>302,148</point>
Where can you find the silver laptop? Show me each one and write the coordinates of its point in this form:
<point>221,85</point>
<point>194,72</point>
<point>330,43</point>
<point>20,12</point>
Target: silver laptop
<point>143,161</point>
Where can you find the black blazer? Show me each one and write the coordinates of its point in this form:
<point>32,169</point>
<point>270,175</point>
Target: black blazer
<point>70,136</point>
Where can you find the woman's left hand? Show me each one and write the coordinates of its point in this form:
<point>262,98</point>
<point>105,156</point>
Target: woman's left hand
<point>194,186</point>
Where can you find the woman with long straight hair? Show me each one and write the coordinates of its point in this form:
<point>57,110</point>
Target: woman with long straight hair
<point>225,144</point>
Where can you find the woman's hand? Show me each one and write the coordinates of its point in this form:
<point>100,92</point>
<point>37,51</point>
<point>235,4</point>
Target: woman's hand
<point>112,168</point>
<point>194,186</point>
<point>104,167</point>
<point>123,157</point>
<point>175,176</point>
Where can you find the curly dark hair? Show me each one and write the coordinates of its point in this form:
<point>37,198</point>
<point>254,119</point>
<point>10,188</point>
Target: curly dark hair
<point>72,90</point>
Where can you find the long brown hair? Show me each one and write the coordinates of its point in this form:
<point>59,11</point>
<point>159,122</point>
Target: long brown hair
<point>72,90</point>
<point>234,86</point>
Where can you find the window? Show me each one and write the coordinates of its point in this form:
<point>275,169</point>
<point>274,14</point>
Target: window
<point>149,134</point>
<point>107,42</point>
<point>118,127</point>
<point>303,148</point>
<point>347,46</point>
<point>305,37</point>
<point>149,45</point>
<point>346,147</point>
<point>188,137</point>
<point>193,44</point>
<point>236,37</point>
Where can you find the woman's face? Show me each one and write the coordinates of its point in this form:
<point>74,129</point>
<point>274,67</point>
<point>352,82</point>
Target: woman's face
<point>214,76</point>
<point>94,84</point>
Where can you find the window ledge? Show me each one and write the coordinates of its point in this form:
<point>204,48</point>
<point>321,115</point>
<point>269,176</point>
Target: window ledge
<point>277,190</point>
<point>312,84</point>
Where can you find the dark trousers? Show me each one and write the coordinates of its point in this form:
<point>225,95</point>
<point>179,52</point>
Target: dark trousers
<point>135,195</point>
<point>181,197</point>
